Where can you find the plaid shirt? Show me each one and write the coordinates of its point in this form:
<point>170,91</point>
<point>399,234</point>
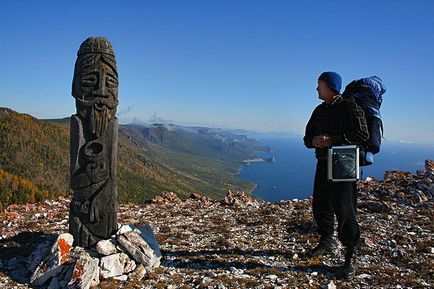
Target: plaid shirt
<point>343,120</point>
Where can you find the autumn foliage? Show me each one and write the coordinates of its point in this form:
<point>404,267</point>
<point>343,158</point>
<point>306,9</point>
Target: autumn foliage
<point>34,163</point>
<point>17,190</point>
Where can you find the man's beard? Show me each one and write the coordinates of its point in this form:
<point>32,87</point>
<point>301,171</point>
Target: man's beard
<point>98,120</point>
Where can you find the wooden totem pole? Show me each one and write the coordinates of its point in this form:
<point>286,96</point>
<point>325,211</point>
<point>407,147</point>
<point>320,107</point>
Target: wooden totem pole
<point>93,144</point>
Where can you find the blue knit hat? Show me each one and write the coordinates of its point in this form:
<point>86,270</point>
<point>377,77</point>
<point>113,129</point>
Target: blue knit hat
<point>333,80</point>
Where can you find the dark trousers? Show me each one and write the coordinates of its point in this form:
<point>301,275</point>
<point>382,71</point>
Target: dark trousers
<point>335,198</point>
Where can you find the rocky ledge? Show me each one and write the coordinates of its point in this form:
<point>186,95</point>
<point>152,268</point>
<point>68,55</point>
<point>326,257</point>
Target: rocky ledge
<point>244,243</point>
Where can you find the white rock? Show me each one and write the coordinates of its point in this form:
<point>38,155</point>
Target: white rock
<point>123,229</point>
<point>295,256</point>
<point>330,285</point>
<point>111,266</point>
<point>121,278</point>
<point>51,265</point>
<point>430,250</point>
<point>142,245</point>
<point>147,233</point>
<point>105,247</point>
<point>86,272</point>
<point>364,276</point>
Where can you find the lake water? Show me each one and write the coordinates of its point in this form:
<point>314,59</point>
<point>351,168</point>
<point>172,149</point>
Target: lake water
<point>292,175</point>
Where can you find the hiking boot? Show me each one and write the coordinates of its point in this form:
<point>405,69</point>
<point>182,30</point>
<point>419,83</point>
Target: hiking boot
<point>348,270</point>
<point>325,247</point>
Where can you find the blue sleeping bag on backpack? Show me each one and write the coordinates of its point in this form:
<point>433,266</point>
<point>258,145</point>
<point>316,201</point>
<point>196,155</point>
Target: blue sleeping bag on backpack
<point>368,93</point>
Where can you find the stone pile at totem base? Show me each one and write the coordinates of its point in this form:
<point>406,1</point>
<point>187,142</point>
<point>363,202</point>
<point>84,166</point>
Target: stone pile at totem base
<point>130,254</point>
<point>249,243</point>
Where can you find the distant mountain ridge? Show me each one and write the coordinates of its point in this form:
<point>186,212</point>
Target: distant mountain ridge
<point>201,140</point>
<point>151,159</point>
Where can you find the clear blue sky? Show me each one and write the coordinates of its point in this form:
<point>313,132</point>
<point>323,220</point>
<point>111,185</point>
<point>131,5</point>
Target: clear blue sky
<point>237,64</point>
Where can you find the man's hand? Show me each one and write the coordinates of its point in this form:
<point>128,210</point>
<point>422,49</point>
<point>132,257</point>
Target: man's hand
<point>322,141</point>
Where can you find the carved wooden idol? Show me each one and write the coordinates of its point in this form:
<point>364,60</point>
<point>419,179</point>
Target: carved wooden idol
<point>93,148</point>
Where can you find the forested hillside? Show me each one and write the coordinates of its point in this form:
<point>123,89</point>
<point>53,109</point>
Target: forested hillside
<point>34,161</point>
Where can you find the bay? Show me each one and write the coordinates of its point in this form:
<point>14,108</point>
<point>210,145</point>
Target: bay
<point>291,176</point>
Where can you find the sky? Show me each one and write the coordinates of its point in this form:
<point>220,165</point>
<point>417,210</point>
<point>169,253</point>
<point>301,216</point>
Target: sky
<point>233,64</point>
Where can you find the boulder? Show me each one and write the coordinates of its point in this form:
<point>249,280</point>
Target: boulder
<point>142,245</point>
<point>85,273</point>
<point>114,265</point>
<point>51,263</point>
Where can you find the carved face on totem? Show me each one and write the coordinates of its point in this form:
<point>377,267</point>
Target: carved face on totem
<point>95,84</point>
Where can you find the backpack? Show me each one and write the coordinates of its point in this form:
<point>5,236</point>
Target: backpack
<point>368,92</point>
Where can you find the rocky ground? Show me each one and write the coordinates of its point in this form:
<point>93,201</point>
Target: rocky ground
<point>243,243</point>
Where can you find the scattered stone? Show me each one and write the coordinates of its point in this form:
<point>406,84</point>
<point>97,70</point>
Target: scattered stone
<point>330,285</point>
<point>375,207</point>
<point>205,200</point>
<point>197,241</point>
<point>429,166</point>
<point>237,199</point>
<point>166,197</point>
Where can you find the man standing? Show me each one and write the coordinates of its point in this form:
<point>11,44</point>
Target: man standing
<point>336,121</point>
